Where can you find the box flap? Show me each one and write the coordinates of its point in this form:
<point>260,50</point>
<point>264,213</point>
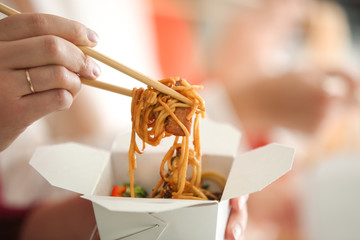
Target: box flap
<point>71,166</point>
<point>254,170</point>
<point>129,226</point>
<point>218,138</point>
<point>150,205</point>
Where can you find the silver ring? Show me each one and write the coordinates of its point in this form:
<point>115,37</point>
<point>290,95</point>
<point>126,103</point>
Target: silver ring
<point>29,81</point>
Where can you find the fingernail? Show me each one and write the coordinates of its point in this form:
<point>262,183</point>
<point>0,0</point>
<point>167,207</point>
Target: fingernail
<point>96,70</point>
<point>236,231</point>
<point>92,36</point>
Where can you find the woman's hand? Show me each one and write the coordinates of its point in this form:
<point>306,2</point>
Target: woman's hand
<point>238,218</point>
<point>296,101</point>
<point>40,68</point>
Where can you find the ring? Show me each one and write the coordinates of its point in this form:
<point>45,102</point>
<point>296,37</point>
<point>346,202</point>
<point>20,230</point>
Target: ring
<point>29,81</point>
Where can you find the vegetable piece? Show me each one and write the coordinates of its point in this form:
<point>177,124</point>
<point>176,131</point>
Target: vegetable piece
<point>117,191</point>
<point>139,191</point>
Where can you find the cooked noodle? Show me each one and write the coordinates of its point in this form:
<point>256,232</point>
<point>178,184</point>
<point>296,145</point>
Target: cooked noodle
<point>151,111</point>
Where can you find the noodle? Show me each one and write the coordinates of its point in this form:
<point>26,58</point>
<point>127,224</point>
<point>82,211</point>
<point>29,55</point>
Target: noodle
<point>151,114</point>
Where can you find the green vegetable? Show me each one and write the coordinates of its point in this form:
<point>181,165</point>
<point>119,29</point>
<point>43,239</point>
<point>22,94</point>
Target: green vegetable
<point>206,187</point>
<point>139,191</point>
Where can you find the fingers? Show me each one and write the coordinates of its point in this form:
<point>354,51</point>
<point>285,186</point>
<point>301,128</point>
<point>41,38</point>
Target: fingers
<point>337,84</point>
<point>238,218</point>
<point>46,45</point>
<point>347,78</point>
<point>43,79</point>
<point>237,204</point>
<point>45,50</point>
<point>31,107</point>
<point>341,86</point>
<point>55,88</point>
<point>33,40</point>
<point>21,26</point>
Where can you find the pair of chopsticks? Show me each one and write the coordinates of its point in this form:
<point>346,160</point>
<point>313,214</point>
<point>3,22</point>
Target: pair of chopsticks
<point>116,65</point>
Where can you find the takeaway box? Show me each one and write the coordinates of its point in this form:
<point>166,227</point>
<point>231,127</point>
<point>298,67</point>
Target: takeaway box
<point>93,172</point>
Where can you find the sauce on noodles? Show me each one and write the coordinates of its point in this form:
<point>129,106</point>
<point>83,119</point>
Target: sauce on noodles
<point>155,116</point>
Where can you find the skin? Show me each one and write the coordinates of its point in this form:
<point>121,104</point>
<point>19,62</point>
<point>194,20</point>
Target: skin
<point>238,218</point>
<point>46,45</point>
<point>265,98</point>
<point>69,219</point>
<point>296,100</point>
<point>262,97</point>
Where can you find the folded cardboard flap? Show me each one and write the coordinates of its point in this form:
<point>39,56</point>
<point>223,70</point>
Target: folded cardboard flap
<point>93,172</point>
<point>71,166</point>
<point>148,205</point>
<point>254,170</point>
<point>219,139</point>
<point>186,223</point>
<point>130,226</point>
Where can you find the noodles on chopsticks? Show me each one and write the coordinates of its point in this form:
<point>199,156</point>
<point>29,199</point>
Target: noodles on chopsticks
<point>155,116</point>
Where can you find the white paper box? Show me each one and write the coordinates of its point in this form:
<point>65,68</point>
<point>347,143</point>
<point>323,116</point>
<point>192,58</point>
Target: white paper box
<point>94,172</point>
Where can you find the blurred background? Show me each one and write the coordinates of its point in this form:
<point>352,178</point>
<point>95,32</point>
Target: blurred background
<point>280,70</point>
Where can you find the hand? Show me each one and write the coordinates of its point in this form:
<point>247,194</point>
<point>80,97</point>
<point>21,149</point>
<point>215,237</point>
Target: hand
<point>45,46</point>
<point>238,218</point>
<point>71,218</point>
<point>295,101</point>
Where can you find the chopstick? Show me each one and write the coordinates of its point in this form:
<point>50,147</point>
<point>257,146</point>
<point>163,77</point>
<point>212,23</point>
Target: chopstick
<point>93,83</point>
<point>107,87</point>
<point>134,74</point>
<point>7,10</point>
<point>116,65</point>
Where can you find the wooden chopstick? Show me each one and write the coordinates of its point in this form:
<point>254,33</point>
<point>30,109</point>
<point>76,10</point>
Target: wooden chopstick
<point>116,65</point>
<point>7,10</point>
<point>134,74</point>
<point>93,83</point>
<point>107,86</point>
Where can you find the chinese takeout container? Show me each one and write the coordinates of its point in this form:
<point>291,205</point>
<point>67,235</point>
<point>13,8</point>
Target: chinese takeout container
<point>93,172</point>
